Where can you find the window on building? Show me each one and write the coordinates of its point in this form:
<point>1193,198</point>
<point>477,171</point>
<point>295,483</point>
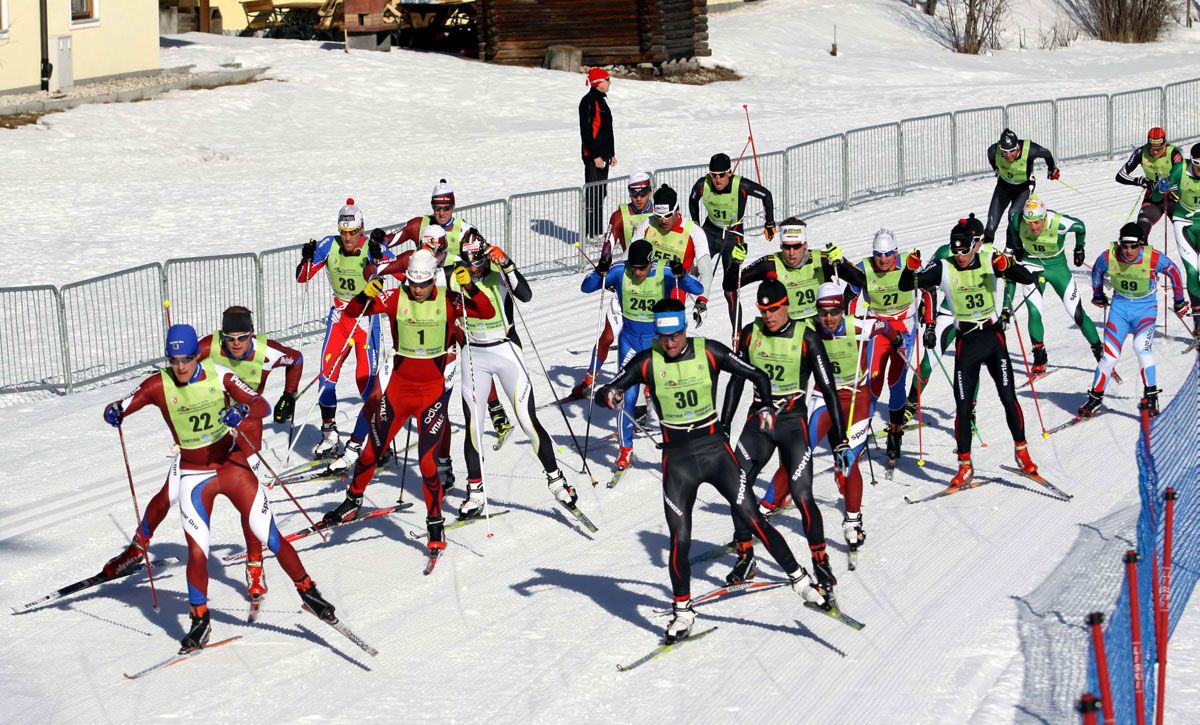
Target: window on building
<point>83,9</point>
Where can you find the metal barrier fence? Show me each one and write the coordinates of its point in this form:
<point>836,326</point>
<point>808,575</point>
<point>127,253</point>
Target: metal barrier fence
<point>90,320</point>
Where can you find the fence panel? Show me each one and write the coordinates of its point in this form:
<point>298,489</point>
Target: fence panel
<point>1034,120</point>
<point>544,229</point>
<point>1183,111</point>
<point>873,173</point>
<point>200,288</point>
<point>816,178</point>
<point>612,193</point>
<point>99,315</point>
<point>681,179</point>
<point>1082,129</point>
<point>974,131</point>
<point>32,353</point>
<point>927,157</point>
<point>290,310</point>
<point>490,218</point>
<point>1133,114</point>
<point>774,176</point>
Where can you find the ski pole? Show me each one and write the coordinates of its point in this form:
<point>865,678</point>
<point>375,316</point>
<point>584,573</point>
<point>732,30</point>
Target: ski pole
<point>242,437</point>
<point>137,511</point>
<point>753,150</point>
<point>593,371</point>
<point>867,447</point>
<point>341,358</point>
<point>1132,209</point>
<point>1029,375</point>
<point>641,428</point>
<point>407,447</point>
<point>557,400</point>
<point>474,423</point>
<point>167,307</point>
<point>920,418</point>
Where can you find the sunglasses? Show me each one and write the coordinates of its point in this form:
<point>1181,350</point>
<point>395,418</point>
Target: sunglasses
<point>477,261</point>
<point>639,192</point>
<point>824,312</point>
<point>721,174</point>
<point>242,337</point>
<point>884,254</point>
<point>671,336</point>
<point>773,306</point>
<point>794,247</point>
<point>1129,245</point>
<point>639,267</point>
<point>181,359</point>
<point>444,207</point>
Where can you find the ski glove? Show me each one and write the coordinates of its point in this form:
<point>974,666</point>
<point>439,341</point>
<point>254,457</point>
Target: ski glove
<point>833,253</point>
<point>373,287</point>
<point>1181,307</point>
<point>766,418</point>
<point>234,414</point>
<point>285,408</point>
<point>842,455</point>
<point>114,413</point>
<point>739,252</point>
<point>308,250</point>
<point>462,276</point>
<point>914,260</point>
<point>769,232</point>
<point>1146,183</point>
<point>1077,258</point>
<point>1100,299</point>
<point>1018,253</point>
<point>498,257</point>
<point>1005,318</point>
<point>375,245</point>
<point>930,338</point>
<point>699,310</point>
<point>1162,186</point>
<point>677,268</point>
<point>1053,175</point>
<point>607,396</point>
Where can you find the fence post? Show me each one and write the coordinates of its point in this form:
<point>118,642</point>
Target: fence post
<point>900,157</point>
<point>1135,636</point>
<point>1054,124</point>
<point>62,341</point>
<point>845,172</point>
<point>1111,124</point>
<point>258,285</point>
<point>782,204</point>
<point>954,148</point>
<point>1094,621</point>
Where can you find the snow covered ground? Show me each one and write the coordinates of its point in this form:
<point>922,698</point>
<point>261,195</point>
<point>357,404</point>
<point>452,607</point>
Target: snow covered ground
<point>530,624</point>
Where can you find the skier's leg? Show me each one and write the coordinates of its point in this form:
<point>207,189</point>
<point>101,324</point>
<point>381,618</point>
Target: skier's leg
<point>1000,366</point>
<point>680,481</point>
<point>719,466</point>
<point>791,433</point>
<point>518,387</point>
<point>1143,343</point>
<point>1115,331</point>
<point>197,489</point>
<point>1187,241</point>
<point>249,497</point>
<point>967,361</point>
<point>1060,278</point>
<point>753,451</point>
<point>476,375</point>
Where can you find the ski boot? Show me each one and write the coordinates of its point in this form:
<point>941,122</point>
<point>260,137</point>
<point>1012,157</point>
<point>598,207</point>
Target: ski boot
<point>966,471</point>
<point>1097,350</point>
<point>199,632</point>
<point>1024,462</point>
<point>1149,402</point>
<point>127,559</point>
<point>310,596</point>
<point>682,621</point>
<point>824,574</point>
<point>256,583</point>
<point>745,568</point>
<point>910,410</point>
<point>1040,359</point>
<point>623,458</point>
<point>852,530</point>
<point>768,507</point>
<point>1088,409</point>
<point>562,492</point>
<point>345,510</point>
<point>445,468</point>
<point>583,389</point>
<point>803,585</point>
<point>349,457</point>
<point>500,422</point>
<point>437,534</point>
<point>328,445</point>
<point>472,507</point>
<point>894,437</point>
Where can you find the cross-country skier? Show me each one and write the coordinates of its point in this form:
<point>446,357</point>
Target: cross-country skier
<point>638,284</point>
<point>724,194</point>
<point>252,358</point>
<point>968,281</point>
<point>442,216</point>
<point>879,279</point>
<point>1133,270</point>
<point>202,404</point>
<point>622,226</point>
<point>681,373</point>
<point>800,269</point>
<point>787,351</point>
<point>1157,158</point>
<point>424,323</point>
<point>348,260</point>
<point>675,239</point>
<point>1185,188</point>
<point>1012,160</point>
<point>1037,236</point>
<point>494,349</point>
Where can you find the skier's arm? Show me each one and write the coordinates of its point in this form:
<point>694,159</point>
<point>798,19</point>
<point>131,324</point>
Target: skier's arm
<point>521,289</point>
<point>722,358</point>
<point>1007,268</point>
<point>282,356</point>
<point>1075,226</point>
<point>818,362</point>
<point>758,191</point>
<point>149,392</point>
<point>1037,151</point>
<point>634,372</point>
<point>757,270</point>
<point>991,156</point>
<point>244,394</point>
<point>1125,173</point>
<point>733,388</point>
<point>477,303</point>
<point>308,268</point>
<point>1099,269</point>
<point>687,283</point>
<point>1164,266</point>
<point>616,227</point>
<point>855,274</point>
<point>694,200</point>
<point>927,278</point>
<point>1012,238</point>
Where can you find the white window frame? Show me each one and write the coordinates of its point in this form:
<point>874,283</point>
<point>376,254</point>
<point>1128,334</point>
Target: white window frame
<point>4,19</point>
<point>91,22</point>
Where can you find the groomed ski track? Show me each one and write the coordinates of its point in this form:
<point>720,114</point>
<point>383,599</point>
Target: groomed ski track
<point>530,625</point>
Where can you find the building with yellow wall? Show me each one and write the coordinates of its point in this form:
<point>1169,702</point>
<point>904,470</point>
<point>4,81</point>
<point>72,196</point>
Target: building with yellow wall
<point>108,38</point>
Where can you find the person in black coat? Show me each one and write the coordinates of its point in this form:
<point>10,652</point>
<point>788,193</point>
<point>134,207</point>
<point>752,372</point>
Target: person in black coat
<point>596,135</point>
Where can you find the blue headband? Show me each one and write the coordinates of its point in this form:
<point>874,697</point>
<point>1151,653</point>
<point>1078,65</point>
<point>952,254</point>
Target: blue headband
<point>668,323</point>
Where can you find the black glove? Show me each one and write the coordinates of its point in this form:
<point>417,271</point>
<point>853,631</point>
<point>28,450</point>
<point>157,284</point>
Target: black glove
<point>607,396</point>
<point>1100,299</point>
<point>1077,257</point>
<point>375,245</point>
<point>930,337</point>
<point>699,310</point>
<point>285,408</point>
<point>1146,183</point>
<point>603,265</point>
<point>1005,318</point>
<point>308,250</point>
<point>378,235</point>
<point>677,268</point>
<point>1181,307</point>
<point>1018,252</point>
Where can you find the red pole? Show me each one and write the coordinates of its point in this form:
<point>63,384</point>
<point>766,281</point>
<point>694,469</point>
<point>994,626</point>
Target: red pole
<point>1029,374</point>
<point>137,511</point>
<point>1164,614</point>
<point>920,429</point>
<point>1087,708</point>
<point>753,150</point>
<point>1135,636</point>
<point>1095,620</point>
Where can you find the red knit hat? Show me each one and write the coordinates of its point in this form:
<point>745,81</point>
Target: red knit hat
<point>595,75</point>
